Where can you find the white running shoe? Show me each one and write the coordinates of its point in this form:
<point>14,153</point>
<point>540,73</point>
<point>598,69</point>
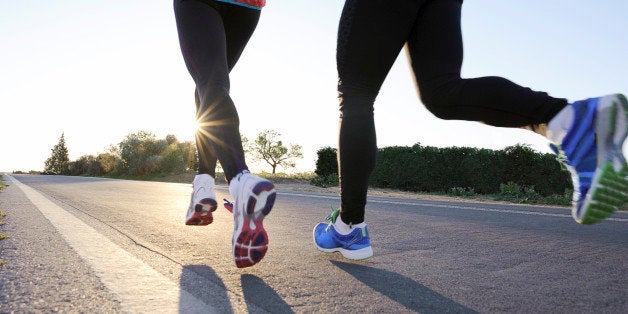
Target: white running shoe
<point>202,202</point>
<point>253,198</point>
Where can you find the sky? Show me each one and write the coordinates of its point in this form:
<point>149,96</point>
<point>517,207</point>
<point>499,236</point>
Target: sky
<point>99,70</point>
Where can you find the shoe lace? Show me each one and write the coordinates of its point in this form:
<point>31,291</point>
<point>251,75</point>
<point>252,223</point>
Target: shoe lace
<point>331,218</point>
<point>560,155</point>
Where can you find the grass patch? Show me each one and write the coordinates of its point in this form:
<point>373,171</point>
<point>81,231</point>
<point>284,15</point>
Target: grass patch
<point>461,192</point>
<point>188,177</point>
<point>302,177</point>
<point>512,192</point>
<point>2,214</point>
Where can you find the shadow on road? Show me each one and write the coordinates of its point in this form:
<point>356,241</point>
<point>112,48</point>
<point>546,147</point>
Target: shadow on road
<point>403,290</point>
<point>194,280</point>
<point>257,292</point>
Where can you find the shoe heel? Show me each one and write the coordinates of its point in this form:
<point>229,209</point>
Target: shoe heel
<point>617,119</point>
<point>622,121</point>
<point>208,203</point>
<point>258,190</point>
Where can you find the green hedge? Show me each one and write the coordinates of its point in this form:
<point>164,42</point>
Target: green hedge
<point>433,169</point>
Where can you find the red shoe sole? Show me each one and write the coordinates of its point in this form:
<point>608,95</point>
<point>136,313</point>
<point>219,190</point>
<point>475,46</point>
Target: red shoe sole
<point>203,213</point>
<point>251,244</point>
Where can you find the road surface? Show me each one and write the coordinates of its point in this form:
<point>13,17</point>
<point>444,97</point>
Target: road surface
<point>102,245</point>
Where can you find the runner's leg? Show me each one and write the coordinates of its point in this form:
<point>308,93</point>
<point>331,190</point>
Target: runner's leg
<point>204,43</point>
<point>370,37</point>
<point>435,50</point>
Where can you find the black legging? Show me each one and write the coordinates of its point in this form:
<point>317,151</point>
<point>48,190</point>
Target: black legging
<point>212,36</point>
<point>370,37</point>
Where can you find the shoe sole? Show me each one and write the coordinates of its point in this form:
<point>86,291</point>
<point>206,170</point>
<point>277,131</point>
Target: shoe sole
<point>250,240</point>
<point>356,255</point>
<point>202,215</point>
<point>609,187</point>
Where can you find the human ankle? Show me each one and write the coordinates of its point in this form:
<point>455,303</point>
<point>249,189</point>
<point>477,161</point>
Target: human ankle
<point>344,228</point>
<point>560,125</point>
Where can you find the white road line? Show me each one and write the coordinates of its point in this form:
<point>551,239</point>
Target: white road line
<point>138,287</point>
<point>482,209</point>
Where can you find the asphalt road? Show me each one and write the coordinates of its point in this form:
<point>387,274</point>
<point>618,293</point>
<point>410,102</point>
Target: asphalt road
<point>98,245</point>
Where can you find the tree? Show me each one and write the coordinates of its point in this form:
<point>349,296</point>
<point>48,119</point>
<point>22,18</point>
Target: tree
<point>269,148</point>
<point>171,139</point>
<point>58,161</point>
<point>108,162</point>
<point>85,165</point>
<point>110,159</point>
<point>171,159</point>
<point>140,153</point>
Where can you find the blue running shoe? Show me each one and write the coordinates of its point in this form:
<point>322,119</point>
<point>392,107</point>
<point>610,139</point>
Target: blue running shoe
<point>593,152</point>
<point>355,245</point>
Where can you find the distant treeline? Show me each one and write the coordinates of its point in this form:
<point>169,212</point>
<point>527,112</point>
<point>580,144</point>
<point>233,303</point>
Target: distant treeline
<point>483,171</point>
<point>140,153</point>
<point>143,154</point>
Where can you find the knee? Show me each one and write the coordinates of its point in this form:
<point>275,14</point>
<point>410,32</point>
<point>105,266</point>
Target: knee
<point>437,106</point>
<point>356,100</point>
<point>213,86</point>
<point>214,103</point>
<point>214,82</point>
<point>212,91</point>
<point>439,98</point>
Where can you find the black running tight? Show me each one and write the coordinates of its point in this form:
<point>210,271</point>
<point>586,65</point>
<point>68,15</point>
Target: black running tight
<point>370,36</point>
<point>212,36</point>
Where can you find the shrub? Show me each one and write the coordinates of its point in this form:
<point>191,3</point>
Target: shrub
<point>327,162</point>
<point>171,160</point>
<point>513,192</point>
<point>524,166</point>
<point>190,155</point>
<point>108,162</point>
<point>85,165</point>
<point>325,181</point>
<point>459,191</point>
<point>555,199</point>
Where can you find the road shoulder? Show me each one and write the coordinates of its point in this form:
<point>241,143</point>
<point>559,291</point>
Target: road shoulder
<point>42,273</point>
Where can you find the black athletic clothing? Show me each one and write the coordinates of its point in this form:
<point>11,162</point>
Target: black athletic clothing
<point>212,36</point>
<point>370,37</point>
